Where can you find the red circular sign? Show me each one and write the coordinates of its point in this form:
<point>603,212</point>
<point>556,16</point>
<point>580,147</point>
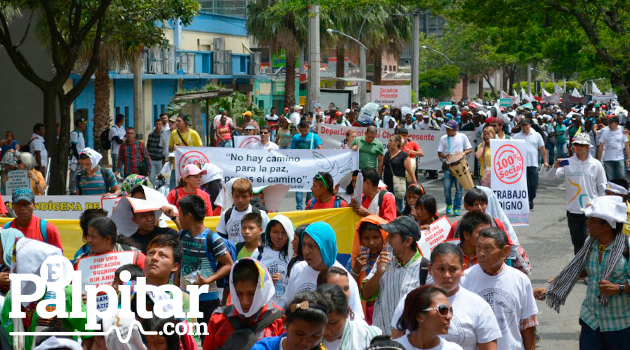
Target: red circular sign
<point>248,141</point>
<point>508,165</point>
<point>191,157</point>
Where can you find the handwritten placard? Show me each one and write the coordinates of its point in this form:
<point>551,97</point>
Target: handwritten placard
<point>436,234</point>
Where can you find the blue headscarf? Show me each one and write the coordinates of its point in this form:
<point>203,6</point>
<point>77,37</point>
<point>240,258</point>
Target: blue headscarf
<point>326,239</point>
<point>7,237</point>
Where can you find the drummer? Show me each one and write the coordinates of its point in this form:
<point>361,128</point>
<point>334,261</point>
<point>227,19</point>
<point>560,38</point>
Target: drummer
<point>451,145</point>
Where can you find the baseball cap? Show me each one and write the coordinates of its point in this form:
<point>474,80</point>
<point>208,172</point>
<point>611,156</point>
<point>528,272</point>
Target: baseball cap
<point>405,226</point>
<point>338,114</point>
<point>192,169</point>
<point>221,110</point>
<point>250,127</point>
<point>451,124</point>
<point>172,119</point>
<point>526,121</point>
<point>23,194</point>
<point>491,120</point>
<point>582,139</point>
<point>82,120</point>
<point>298,107</point>
<point>248,113</point>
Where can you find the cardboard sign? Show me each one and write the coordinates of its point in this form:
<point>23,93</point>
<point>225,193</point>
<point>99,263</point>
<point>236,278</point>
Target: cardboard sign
<point>509,179</point>
<point>436,234</point>
<point>392,95</point>
<point>17,179</point>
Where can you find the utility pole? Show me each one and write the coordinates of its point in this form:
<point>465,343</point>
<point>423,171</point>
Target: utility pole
<point>415,57</point>
<point>138,100</point>
<point>529,78</point>
<point>314,94</point>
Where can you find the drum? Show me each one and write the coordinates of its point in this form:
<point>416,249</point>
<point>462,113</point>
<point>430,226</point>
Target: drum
<point>458,165</point>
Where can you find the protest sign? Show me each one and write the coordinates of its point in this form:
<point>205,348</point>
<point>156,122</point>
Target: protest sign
<point>293,167</point>
<point>569,101</point>
<point>368,113</point>
<point>436,234</point>
<point>505,102</point>
<point>392,95</point>
<point>245,140</point>
<point>62,207</point>
<point>509,179</point>
<point>109,204</point>
<point>100,269</point>
<point>17,179</point>
<point>333,136</point>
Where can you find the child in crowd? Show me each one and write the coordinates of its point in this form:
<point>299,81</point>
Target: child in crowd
<point>278,250</point>
<point>229,225</point>
<point>414,192</point>
<point>251,230</point>
<point>336,276</point>
<point>159,340</point>
<point>195,267</point>
<point>251,288</point>
<point>297,250</point>
<point>134,270</point>
<point>305,320</point>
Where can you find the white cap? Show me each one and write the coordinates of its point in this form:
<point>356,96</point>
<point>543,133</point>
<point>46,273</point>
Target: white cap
<point>347,111</point>
<point>617,189</point>
<point>582,139</point>
<point>609,208</point>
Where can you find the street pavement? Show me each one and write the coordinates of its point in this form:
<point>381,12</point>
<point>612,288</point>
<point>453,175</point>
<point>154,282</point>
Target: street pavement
<point>549,248</point>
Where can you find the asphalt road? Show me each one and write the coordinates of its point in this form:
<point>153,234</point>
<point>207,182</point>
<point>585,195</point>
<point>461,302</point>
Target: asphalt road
<point>549,248</point>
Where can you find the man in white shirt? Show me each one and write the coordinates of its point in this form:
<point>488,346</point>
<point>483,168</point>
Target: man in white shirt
<point>426,123</point>
<point>613,141</point>
<point>165,125</point>
<point>264,142</point>
<point>77,144</point>
<point>116,137</point>
<point>296,117</point>
<point>217,118</point>
<point>585,180</point>
<point>451,144</point>
<point>535,144</point>
<point>38,147</point>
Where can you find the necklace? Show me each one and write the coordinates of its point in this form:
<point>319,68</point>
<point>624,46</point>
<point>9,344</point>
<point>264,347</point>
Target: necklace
<point>602,247</point>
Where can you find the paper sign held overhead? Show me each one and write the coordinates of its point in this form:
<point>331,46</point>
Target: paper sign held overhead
<point>436,234</point>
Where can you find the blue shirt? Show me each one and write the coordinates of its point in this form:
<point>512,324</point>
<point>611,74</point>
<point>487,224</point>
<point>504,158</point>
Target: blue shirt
<point>271,343</point>
<point>5,148</point>
<point>299,142</point>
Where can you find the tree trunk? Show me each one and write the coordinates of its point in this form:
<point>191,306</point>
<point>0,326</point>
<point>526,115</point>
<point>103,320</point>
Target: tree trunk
<point>480,84</point>
<point>101,106</point>
<point>621,80</point>
<point>60,152</point>
<point>50,116</point>
<point>289,85</point>
<point>340,71</point>
<point>378,66</point>
<point>465,87</point>
<point>492,90</point>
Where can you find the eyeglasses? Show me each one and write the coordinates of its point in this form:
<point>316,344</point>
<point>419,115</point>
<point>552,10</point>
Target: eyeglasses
<point>264,132</point>
<point>442,309</point>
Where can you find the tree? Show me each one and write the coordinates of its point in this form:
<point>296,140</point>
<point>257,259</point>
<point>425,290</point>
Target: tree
<point>438,83</point>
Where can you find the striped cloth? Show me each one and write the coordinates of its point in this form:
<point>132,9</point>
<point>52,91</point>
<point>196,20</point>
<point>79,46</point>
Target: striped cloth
<point>395,283</point>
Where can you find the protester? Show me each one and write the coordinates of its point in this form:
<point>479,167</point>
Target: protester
<point>189,184</point>
<point>38,183</point>
<point>613,142</point>
<point>319,247</point>
<point>271,120</point>
<point>469,228</point>
<point>427,314</point>
<point>264,142</point>
<point>412,149</point>
<point>285,134</point>
<point>296,116</point>
<point>304,140</point>
<point>148,228</point>
<point>306,317</point>
<point>483,154</point>
<point>84,220</point>
<point>604,257</point>
<point>156,144</point>
<point>77,144</point>
<point>278,251</point>
<point>397,164</point>
<point>377,201</point>
<point>535,144</point>
<point>116,137</point>
<point>223,132</point>
<point>323,190</point>
<point>241,193</point>
<point>252,289</point>
<point>508,291</point>
<point>414,192</point>
<point>251,234</point>
<point>31,226</point>
<point>133,157</point>
<point>183,135</point>
<point>370,149</point>
<point>397,272</point>
<point>9,143</point>
<point>38,147</point>
<point>94,179</point>
<point>103,238</point>
<point>350,136</point>
<point>587,175</point>
<point>451,144</point>
<point>249,122</point>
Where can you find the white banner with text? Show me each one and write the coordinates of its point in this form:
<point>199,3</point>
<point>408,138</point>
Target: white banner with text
<point>509,179</point>
<point>392,95</point>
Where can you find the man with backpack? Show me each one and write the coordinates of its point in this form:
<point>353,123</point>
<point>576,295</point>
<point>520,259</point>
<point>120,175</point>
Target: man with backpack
<point>30,225</point>
<point>94,179</point>
<point>207,258</point>
<point>374,201</point>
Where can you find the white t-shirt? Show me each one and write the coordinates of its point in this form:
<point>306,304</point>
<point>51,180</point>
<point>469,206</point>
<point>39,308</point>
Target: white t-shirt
<point>534,142</point>
<point>232,229</point>
<point>511,298</point>
<point>276,263</point>
<point>444,345</point>
<point>257,145</point>
<point>614,143</point>
<point>458,143</point>
<point>38,145</point>
<point>77,137</point>
<point>304,277</point>
<point>113,132</point>
<point>295,118</point>
<point>473,321</point>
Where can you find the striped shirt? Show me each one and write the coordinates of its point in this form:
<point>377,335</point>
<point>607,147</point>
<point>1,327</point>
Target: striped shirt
<point>155,145</point>
<point>396,282</point>
<point>195,260</point>
<point>96,184</point>
<point>133,156</point>
<point>615,316</point>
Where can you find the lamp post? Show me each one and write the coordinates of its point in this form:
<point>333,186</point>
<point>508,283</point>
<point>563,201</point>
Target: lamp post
<point>436,51</point>
<point>362,63</point>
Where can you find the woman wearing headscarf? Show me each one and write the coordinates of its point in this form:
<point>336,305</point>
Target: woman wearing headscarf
<point>278,251</point>
<point>93,179</point>
<point>26,256</point>
<point>319,248</point>
<point>131,181</point>
<point>212,183</point>
<point>604,257</point>
<point>252,289</point>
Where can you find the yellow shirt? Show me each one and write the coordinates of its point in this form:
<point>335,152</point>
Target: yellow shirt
<point>191,137</point>
<point>626,227</point>
<point>485,161</point>
<point>42,181</point>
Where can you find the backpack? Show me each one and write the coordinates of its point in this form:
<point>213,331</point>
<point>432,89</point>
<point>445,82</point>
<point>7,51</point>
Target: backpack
<point>381,194</point>
<point>27,147</point>
<point>42,227</point>
<point>338,200</point>
<point>106,143</point>
<point>103,174</point>
<point>244,337</point>
<point>231,248</point>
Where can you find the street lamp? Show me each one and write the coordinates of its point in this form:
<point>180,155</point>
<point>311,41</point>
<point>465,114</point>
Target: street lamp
<point>436,51</point>
<point>362,63</point>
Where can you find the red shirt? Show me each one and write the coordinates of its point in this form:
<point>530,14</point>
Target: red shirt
<point>33,231</point>
<point>498,223</point>
<point>315,204</point>
<point>410,145</point>
<point>174,200</point>
<point>3,208</point>
<point>387,210</point>
<point>355,123</point>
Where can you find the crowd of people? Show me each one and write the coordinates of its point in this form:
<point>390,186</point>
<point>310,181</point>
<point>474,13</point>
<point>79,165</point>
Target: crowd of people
<point>272,285</point>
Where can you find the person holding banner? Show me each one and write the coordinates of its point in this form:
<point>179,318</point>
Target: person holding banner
<point>264,143</point>
<point>323,190</point>
<point>535,144</point>
<point>304,140</point>
<point>103,238</point>
<point>451,144</point>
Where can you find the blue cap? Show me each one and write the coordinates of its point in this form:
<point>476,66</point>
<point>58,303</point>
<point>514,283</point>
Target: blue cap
<point>451,124</point>
<point>23,194</point>
<point>449,116</point>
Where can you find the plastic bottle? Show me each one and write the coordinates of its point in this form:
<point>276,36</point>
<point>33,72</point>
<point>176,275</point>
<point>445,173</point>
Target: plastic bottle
<point>358,188</point>
<point>279,288</point>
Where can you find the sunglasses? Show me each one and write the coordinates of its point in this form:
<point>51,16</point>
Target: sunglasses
<point>442,309</point>
<point>264,132</point>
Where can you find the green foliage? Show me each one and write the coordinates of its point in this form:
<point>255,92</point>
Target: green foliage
<point>438,83</point>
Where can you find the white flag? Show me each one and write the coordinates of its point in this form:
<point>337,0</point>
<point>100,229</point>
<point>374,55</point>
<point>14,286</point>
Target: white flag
<point>576,93</point>
<point>595,90</point>
<point>517,98</point>
<point>545,93</point>
<point>557,89</point>
<point>524,95</point>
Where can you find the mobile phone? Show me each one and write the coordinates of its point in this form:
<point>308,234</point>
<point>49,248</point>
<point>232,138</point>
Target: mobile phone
<point>564,162</point>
